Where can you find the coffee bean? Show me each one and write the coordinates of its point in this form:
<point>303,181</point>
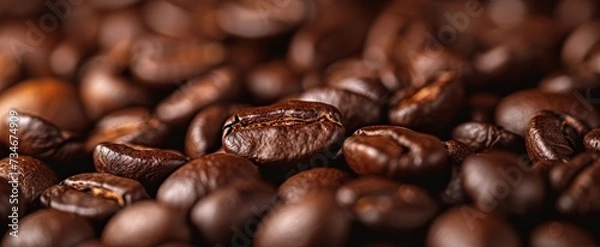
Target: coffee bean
<point>318,221</point>
<point>514,111</point>
<point>55,101</point>
<point>357,110</point>
<point>66,57</point>
<point>201,176</point>
<point>481,136</point>
<point>49,227</point>
<point>158,61</point>
<point>467,226</point>
<point>394,152</point>
<point>272,81</point>
<point>430,107</point>
<point>577,185</point>
<point>150,222</point>
<point>204,132</point>
<point>9,72</point>
<point>357,76</point>
<point>30,174</point>
<point>149,166</point>
<point>217,86</point>
<point>386,205</point>
<point>131,126</point>
<point>7,202</point>
<point>283,133</point>
<point>498,181</point>
<point>554,136</point>
<point>43,140</point>
<point>483,106</point>
<point>580,42</point>
<point>95,196</point>
<point>457,152</point>
<point>220,216</point>
<point>309,182</point>
<point>557,233</point>
<point>591,140</point>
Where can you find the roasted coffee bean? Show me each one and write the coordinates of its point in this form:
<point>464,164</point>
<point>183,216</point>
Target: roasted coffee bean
<point>150,222</point>
<point>31,175</point>
<point>174,21</point>
<point>43,140</point>
<point>577,78</point>
<point>103,89</point>
<point>558,234</point>
<point>8,201</point>
<point>201,176</point>
<point>481,136</point>
<point>9,70</point>
<point>272,81</point>
<point>430,107</point>
<point>204,132</point>
<point>483,106</point>
<point>237,206</point>
<point>158,61</point>
<point>50,99</point>
<point>66,57</point>
<point>318,221</point>
<point>580,42</point>
<point>131,126</point>
<point>358,77</point>
<point>499,181</point>
<point>577,184</point>
<point>49,227</point>
<point>457,153</point>
<point>591,141</point>
<point>554,136</point>
<point>284,133</point>
<point>217,86</point>
<point>94,196</point>
<point>394,152</point>
<point>357,110</point>
<point>149,166</point>
<point>387,205</point>
<point>467,226</point>
<point>130,28</point>
<point>514,111</point>
<point>309,182</point>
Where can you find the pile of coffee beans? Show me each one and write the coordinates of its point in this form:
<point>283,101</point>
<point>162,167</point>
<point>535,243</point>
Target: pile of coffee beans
<point>306,123</point>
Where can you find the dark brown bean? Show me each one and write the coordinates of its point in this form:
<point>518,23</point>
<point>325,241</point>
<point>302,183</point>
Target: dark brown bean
<point>49,227</point>
<point>557,234</point>
<point>151,223</point>
<point>499,181</point>
<point>274,134</point>
<point>204,132</point>
<point>149,166</point>
<point>309,182</point>
<point>232,210</point>
<point>457,152</point>
<point>272,81</point>
<point>467,226</point>
<point>386,205</point>
<point>481,136</point>
<point>577,185</point>
<point>394,152</point>
<point>483,106</point>
<point>201,176</point>
<point>217,86</point>
<point>358,77</point>
<point>31,175</point>
<point>554,136</point>
<point>591,141</point>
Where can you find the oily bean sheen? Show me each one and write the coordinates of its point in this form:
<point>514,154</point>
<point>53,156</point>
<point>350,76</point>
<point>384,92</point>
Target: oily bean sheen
<point>481,136</point>
<point>49,227</point>
<point>394,152</point>
<point>357,110</point>
<point>237,206</point>
<point>591,140</point>
<point>317,221</point>
<point>32,175</point>
<point>93,195</point>
<point>553,136</point>
<point>454,192</point>
<point>467,226</point>
<point>150,222</point>
<point>130,125</point>
<point>284,133</point>
<point>359,77</point>
<point>201,176</point>
<point>43,140</point>
<point>308,182</point>
<point>559,234</point>
<point>149,166</point>
<point>387,205</point>
<point>430,107</point>
<point>578,185</point>
<point>514,111</point>
<point>499,181</point>
<point>204,132</point>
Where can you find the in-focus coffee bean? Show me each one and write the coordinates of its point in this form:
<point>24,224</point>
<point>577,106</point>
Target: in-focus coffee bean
<point>481,136</point>
<point>204,132</point>
<point>30,174</point>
